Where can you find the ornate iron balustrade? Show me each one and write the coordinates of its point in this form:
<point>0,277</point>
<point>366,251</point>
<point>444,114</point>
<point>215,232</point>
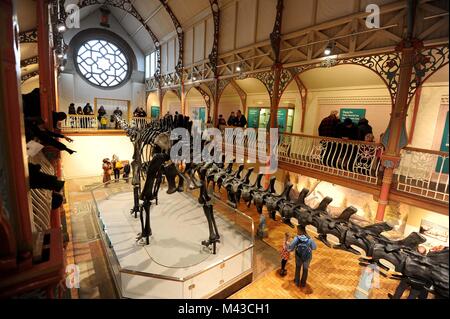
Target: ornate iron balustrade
<point>423,173</point>
<point>349,159</point>
<point>140,122</point>
<point>41,199</point>
<point>81,122</point>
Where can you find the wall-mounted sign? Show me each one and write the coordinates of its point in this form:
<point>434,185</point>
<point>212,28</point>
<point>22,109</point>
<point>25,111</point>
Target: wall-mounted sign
<point>253,117</point>
<point>443,166</point>
<point>154,113</point>
<point>282,119</point>
<point>354,114</point>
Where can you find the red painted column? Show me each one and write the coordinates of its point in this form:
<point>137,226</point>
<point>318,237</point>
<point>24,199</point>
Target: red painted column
<point>274,99</point>
<point>12,133</point>
<point>44,62</point>
<point>391,157</point>
<point>414,116</point>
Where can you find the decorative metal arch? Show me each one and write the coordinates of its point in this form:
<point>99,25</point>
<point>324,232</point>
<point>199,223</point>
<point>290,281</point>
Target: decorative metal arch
<point>242,94</point>
<point>165,91</point>
<point>29,36</point>
<point>268,79</point>
<point>206,96</point>
<point>29,61</point>
<point>427,62</point>
<point>214,55</point>
<point>213,88</point>
<point>386,66</point>
<point>28,76</point>
<point>221,85</point>
<point>180,35</point>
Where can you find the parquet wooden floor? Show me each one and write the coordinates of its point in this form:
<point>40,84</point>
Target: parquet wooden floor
<point>333,273</point>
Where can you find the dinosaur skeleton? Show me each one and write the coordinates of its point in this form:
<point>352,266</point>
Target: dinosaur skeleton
<point>430,272</point>
<point>151,162</point>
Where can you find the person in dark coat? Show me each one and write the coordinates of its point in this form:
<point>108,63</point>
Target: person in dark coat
<point>142,112</point>
<point>221,120</point>
<point>232,120</point>
<point>101,112</point>
<point>328,126</point>
<point>72,110</point>
<point>347,130</point>
<point>87,110</point>
<point>79,111</point>
<point>363,129</point>
<point>241,121</point>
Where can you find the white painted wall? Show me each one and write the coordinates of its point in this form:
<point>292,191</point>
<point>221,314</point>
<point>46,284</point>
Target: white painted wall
<point>30,85</point>
<point>378,115</point>
<point>90,151</point>
<point>73,88</point>
<point>93,21</point>
<point>429,120</point>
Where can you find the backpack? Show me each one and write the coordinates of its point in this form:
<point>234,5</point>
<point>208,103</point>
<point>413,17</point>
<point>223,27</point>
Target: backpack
<point>303,250</point>
<point>119,165</point>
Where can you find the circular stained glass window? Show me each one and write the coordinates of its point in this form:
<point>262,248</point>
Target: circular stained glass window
<point>102,63</point>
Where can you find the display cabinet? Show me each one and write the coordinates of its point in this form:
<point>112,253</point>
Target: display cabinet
<point>175,264</point>
<point>259,117</point>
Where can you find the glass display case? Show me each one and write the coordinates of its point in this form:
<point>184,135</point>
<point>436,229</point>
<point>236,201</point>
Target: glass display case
<point>175,264</point>
<point>259,117</point>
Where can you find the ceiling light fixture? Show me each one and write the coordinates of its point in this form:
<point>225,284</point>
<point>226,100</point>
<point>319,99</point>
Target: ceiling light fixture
<point>329,49</point>
<point>62,27</point>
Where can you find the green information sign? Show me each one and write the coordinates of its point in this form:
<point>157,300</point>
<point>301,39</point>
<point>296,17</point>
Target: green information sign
<point>444,148</point>
<point>154,113</point>
<point>354,114</point>
<point>253,117</point>
<point>281,120</point>
<point>202,114</point>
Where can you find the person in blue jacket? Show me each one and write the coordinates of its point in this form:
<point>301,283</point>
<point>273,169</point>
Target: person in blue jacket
<point>303,246</point>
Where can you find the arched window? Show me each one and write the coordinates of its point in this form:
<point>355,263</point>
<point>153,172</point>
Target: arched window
<point>102,63</point>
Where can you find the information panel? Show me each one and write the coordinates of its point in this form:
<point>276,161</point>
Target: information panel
<point>282,120</point>
<point>354,114</point>
<point>154,112</point>
<point>253,117</point>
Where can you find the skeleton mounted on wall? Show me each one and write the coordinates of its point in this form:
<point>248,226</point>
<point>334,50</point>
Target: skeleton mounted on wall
<point>151,162</point>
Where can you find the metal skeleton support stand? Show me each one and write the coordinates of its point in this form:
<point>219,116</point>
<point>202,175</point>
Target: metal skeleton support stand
<point>205,200</point>
<point>136,181</point>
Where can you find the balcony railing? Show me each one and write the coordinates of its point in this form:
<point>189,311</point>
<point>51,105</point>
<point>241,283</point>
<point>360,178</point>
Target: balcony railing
<point>91,123</point>
<point>424,173</point>
<point>41,199</point>
<point>140,122</point>
<point>349,159</point>
<point>80,122</point>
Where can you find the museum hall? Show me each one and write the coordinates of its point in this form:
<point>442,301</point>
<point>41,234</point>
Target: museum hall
<point>224,149</point>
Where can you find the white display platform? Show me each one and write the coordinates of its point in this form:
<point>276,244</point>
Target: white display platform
<point>175,264</point>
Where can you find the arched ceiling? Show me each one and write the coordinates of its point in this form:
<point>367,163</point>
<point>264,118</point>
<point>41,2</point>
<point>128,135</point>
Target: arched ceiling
<point>441,76</point>
<point>340,76</point>
<point>27,19</point>
<point>252,86</point>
